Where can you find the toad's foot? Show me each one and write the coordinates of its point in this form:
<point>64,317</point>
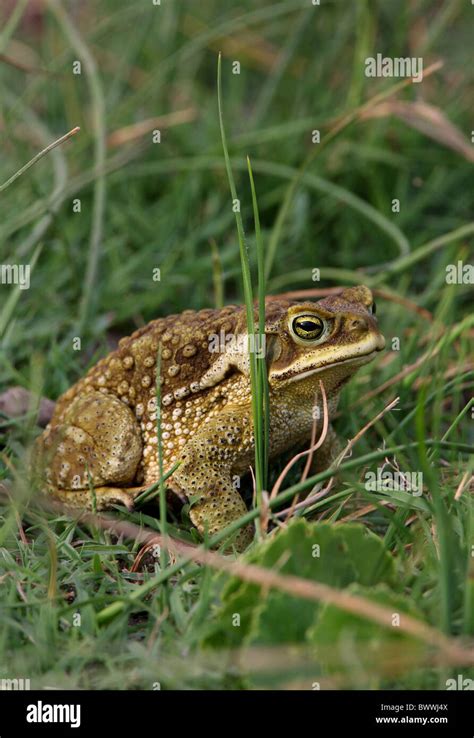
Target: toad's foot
<point>99,498</point>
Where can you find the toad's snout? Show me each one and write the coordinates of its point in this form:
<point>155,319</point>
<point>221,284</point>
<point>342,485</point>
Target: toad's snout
<point>366,324</point>
<point>379,341</point>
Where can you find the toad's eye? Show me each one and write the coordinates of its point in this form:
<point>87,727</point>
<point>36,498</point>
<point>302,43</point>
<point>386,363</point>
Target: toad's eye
<point>308,327</point>
<point>373,308</point>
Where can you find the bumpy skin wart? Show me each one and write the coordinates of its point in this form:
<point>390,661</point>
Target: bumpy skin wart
<point>103,434</point>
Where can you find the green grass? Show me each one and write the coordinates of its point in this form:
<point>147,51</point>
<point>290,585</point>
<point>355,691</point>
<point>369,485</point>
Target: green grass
<point>257,364</point>
<point>304,206</point>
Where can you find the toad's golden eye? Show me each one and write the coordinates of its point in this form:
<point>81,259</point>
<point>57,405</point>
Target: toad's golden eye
<point>308,327</point>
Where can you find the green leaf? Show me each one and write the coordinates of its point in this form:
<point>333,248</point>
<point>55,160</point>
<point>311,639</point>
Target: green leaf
<point>360,649</point>
<point>334,555</point>
<point>366,550</point>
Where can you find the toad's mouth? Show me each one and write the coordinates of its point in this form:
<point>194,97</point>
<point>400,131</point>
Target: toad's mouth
<point>361,359</point>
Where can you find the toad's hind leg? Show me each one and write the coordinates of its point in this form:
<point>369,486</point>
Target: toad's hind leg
<point>95,442</point>
<point>204,474</point>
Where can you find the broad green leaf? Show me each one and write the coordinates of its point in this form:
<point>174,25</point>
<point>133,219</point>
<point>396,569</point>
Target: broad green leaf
<point>358,649</point>
<point>334,555</point>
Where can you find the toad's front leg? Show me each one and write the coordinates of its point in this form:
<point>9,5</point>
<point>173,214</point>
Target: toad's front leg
<point>205,473</point>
